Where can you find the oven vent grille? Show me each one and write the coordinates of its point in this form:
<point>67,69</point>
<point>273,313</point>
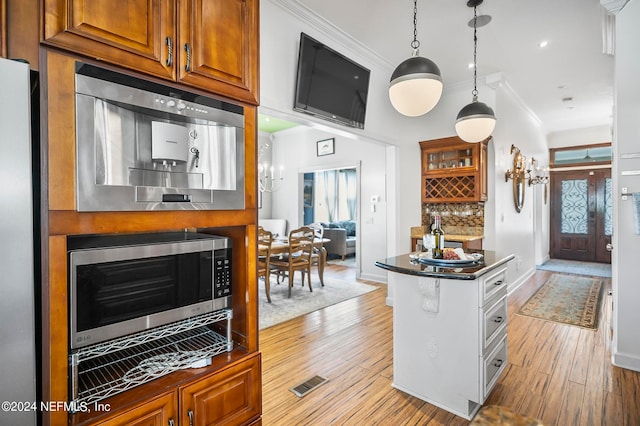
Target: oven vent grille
<point>308,385</point>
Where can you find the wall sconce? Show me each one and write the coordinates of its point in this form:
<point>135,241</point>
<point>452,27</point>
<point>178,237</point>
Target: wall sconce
<point>518,174</point>
<point>537,174</point>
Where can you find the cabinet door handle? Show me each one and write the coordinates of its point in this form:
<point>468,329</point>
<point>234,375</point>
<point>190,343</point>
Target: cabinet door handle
<point>187,66</point>
<point>169,42</point>
<point>499,282</point>
<point>171,422</point>
<point>498,319</point>
<point>190,414</point>
<point>497,363</point>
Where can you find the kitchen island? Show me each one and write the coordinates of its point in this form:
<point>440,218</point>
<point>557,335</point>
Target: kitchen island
<point>449,329</point>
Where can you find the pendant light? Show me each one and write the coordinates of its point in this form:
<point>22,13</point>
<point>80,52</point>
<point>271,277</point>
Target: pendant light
<point>416,84</point>
<point>476,121</point>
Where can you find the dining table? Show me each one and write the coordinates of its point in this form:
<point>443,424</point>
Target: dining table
<point>281,246</point>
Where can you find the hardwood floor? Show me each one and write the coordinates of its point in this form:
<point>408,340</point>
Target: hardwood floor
<point>557,373</point>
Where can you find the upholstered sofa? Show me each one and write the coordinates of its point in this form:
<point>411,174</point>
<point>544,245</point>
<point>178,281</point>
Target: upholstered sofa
<point>343,237</point>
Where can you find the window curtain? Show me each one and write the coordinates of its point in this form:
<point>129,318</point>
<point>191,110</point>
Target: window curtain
<point>352,193</point>
<point>330,178</point>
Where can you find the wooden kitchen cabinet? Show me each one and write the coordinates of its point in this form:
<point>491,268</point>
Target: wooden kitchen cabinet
<point>229,397</point>
<point>453,171</point>
<point>161,411</point>
<point>211,45</point>
<point>233,398</point>
<point>229,390</point>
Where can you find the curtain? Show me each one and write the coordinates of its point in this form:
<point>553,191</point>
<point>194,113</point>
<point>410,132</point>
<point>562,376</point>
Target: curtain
<point>331,192</point>
<point>352,193</point>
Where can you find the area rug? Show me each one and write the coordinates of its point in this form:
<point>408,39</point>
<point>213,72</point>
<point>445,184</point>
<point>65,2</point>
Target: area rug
<point>568,299</point>
<point>349,261</point>
<point>303,301</point>
<point>577,267</point>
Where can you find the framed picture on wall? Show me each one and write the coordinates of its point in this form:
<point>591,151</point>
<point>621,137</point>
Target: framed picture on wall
<point>325,147</point>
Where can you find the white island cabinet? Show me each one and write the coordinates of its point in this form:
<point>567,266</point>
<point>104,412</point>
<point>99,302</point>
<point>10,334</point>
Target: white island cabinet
<point>449,332</point>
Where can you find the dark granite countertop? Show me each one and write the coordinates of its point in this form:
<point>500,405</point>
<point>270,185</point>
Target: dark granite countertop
<point>404,264</point>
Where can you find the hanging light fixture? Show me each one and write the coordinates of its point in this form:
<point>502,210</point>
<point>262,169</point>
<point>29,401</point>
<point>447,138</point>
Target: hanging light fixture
<point>476,121</point>
<point>416,84</point>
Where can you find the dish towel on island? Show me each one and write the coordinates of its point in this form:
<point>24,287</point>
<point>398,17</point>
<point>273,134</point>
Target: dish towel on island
<point>636,210</point>
<point>430,290</point>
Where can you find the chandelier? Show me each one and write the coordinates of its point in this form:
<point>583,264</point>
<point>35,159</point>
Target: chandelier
<point>267,179</point>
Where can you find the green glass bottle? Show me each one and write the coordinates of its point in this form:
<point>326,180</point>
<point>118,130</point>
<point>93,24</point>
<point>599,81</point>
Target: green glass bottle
<point>438,234</point>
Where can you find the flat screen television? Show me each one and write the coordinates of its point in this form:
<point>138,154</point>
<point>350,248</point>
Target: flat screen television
<point>329,85</point>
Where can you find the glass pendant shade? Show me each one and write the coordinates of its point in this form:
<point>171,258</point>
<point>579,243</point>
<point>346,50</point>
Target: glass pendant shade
<point>416,86</point>
<point>475,122</point>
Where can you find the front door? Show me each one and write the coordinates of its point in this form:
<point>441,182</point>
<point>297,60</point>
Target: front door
<point>581,211</point>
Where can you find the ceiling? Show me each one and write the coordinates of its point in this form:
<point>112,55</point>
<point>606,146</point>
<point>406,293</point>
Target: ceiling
<point>572,66</point>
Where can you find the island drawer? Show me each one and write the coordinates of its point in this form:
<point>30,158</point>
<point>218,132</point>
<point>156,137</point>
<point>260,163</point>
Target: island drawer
<point>494,322</point>
<point>494,364</point>
<point>495,285</point>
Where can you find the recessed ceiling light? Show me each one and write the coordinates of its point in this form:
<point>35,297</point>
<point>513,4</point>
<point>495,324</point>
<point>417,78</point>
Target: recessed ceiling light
<point>543,44</point>
<point>470,66</point>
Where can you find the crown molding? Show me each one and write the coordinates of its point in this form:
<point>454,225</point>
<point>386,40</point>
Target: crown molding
<point>613,6</point>
<point>331,31</point>
<point>504,84</point>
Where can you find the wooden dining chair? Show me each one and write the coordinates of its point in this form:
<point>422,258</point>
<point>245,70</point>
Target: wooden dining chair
<point>265,238</point>
<point>299,256</point>
<point>319,255</point>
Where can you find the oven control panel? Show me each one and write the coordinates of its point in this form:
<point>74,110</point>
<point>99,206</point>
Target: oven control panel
<point>222,270</point>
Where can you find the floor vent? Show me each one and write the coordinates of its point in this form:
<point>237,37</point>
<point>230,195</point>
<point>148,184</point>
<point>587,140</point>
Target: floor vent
<point>308,385</point>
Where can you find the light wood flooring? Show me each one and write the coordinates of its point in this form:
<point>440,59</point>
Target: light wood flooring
<point>557,373</point>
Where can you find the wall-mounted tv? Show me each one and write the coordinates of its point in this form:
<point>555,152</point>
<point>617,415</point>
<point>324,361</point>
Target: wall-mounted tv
<point>329,85</point>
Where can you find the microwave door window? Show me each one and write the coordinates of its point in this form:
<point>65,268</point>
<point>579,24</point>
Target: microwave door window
<point>114,292</point>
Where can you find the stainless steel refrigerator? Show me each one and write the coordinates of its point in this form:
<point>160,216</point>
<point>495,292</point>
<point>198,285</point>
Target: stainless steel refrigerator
<point>18,243</point>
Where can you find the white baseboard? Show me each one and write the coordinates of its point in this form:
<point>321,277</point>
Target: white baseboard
<point>521,280</point>
<point>630,362</point>
<point>382,279</point>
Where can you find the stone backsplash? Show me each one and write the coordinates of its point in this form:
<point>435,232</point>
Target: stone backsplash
<point>456,218</point>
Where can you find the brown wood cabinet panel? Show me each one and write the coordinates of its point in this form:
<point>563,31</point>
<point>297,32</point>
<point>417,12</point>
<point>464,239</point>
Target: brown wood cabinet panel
<point>3,28</point>
<point>219,46</point>
<point>54,329</point>
<point>453,171</point>
<point>21,27</point>
<point>211,45</point>
<point>60,119</point>
<point>231,397</point>
<point>157,412</point>
<point>129,33</point>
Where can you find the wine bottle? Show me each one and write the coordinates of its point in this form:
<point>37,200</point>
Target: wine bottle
<point>438,237</point>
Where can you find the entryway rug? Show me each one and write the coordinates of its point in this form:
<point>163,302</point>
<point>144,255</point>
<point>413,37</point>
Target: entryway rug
<point>568,299</point>
<point>303,301</point>
<point>577,267</point>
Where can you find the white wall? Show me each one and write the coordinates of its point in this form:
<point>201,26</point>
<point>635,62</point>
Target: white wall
<point>513,232</point>
<point>281,24</point>
<point>296,149</point>
<point>626,243</point>
<point>586,136</point>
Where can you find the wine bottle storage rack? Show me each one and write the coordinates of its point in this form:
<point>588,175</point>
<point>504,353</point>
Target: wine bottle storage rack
<point>449,187</point>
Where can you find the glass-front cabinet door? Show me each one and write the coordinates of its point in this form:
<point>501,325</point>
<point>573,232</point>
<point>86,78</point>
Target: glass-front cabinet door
<point>444,160</point>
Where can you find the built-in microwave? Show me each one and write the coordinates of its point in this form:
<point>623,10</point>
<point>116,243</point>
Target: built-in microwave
<point>141,145</point>
<point>128,283</point>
